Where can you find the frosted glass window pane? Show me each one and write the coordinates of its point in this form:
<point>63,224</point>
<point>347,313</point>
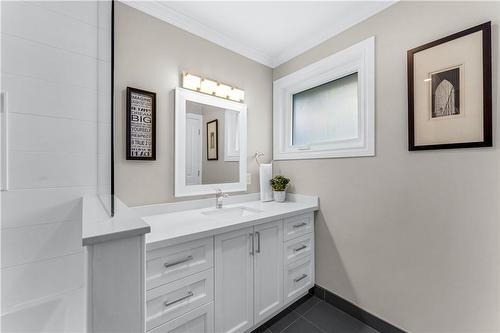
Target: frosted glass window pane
<point>326,113</point>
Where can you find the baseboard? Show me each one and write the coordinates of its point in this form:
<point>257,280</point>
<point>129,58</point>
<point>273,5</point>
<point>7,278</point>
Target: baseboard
<point>355,311</point>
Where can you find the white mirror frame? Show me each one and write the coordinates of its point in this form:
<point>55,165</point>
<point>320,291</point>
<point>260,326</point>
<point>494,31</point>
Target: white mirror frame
<point>182,96</point>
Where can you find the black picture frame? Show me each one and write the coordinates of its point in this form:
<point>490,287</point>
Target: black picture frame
<point>487,141</point>
<point>152,95</point>
<point>216,141</point>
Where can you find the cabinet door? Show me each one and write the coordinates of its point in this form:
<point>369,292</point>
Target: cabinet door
<point>234,281</point>
<point>268,269</point>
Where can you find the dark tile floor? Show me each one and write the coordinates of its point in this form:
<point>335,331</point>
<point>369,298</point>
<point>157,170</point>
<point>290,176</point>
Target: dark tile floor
<point>312,315</point>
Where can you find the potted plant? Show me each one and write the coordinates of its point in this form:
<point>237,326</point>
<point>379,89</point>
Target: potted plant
<point>279,185</point>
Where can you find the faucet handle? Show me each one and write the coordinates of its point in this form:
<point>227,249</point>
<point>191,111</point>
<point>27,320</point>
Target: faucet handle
<point>218,191</point>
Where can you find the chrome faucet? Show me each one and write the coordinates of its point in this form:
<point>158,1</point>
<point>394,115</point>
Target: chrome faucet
<point>219,196</point>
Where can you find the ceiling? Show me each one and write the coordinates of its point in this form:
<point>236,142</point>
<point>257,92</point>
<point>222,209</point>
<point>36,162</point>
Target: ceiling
<point>268,32</point>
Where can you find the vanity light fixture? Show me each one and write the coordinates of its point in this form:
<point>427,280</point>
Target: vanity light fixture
<point>210,87</point>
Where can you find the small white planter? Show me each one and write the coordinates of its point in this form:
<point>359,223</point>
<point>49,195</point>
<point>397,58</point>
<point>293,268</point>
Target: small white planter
<point>279,196</point>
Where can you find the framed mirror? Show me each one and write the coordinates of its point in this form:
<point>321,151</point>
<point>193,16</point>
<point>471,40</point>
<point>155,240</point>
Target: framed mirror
<point>210,144</point>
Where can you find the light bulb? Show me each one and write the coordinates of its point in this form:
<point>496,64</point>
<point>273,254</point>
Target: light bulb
<point>191,81</point>
<point>237,95</point>
<point>223,91</point>
<point>208,86</point>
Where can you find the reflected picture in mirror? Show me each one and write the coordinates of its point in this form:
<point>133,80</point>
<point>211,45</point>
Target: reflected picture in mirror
<point>212,145</point>
<point>212,140</point>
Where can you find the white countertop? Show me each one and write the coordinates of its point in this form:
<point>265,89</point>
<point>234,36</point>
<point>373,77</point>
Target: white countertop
<point>98,226</point>
<point>184,225</point>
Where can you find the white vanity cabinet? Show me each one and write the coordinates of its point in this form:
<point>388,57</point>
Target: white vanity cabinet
<point>268,270</point>
<point>231,281</point>
<point>248,276</point>
<point>234,280</point>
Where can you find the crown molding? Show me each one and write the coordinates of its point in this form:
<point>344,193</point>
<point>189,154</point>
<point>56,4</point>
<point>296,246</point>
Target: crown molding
<point>302,46</point>
<point>163,12</point>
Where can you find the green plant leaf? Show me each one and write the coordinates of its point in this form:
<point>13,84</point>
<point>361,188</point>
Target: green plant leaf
<point>279,183</point>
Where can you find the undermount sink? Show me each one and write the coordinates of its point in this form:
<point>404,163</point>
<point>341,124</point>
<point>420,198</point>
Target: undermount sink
<point>231,212</point>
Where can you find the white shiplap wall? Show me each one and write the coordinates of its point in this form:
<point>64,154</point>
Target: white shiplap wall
<point>49,68</point>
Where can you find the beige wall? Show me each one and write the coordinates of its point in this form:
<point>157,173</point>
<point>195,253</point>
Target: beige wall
<point>413,237</point>
<point>150,54</point>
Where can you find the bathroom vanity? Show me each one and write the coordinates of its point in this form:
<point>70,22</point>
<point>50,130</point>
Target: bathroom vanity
<point>211,265</point>
<point>220,268</point>
<point>229,269</point>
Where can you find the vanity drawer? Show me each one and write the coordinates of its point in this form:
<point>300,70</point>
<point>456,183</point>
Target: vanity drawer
<point>200,320</point>
<point>299,225</point>
<point>172,300</point>
<point>299,247</point>
<point>299,278</point>
<point>171,263</point>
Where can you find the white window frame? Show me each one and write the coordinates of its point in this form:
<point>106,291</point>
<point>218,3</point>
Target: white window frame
<point>359,58</point>
<point>231,137</point>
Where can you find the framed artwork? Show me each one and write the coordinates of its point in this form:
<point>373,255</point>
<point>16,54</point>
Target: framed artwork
<point>141,125</point>
<point>450,93</point>
<point>212,140</point>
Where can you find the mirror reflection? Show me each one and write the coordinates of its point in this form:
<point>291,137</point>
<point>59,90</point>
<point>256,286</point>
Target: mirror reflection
<point>212,145</point>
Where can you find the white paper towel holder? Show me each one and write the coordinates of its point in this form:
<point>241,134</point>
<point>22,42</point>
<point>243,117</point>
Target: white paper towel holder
<point>266,193</point>
<point>257,156</point>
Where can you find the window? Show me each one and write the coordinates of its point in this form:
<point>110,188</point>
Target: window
<point>326,113</point>
<point>231,136</point>
<point>326,109</point>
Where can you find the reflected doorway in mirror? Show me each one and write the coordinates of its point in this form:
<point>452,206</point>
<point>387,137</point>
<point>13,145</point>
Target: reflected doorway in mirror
<point>194,148</point>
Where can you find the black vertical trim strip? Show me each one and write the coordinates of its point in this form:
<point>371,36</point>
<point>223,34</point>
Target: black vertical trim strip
<point>411,116</point>
<point>487,86</point>
<point>112,189</point>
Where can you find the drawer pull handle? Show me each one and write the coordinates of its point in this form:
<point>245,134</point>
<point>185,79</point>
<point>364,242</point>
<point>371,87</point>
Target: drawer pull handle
<point>300,225</point>
<point>170,264</point>
<point>189,294</point>
<point>300,248</point>
<point>258,241</point>
<point>302,277</point>
<point>252,246</point>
